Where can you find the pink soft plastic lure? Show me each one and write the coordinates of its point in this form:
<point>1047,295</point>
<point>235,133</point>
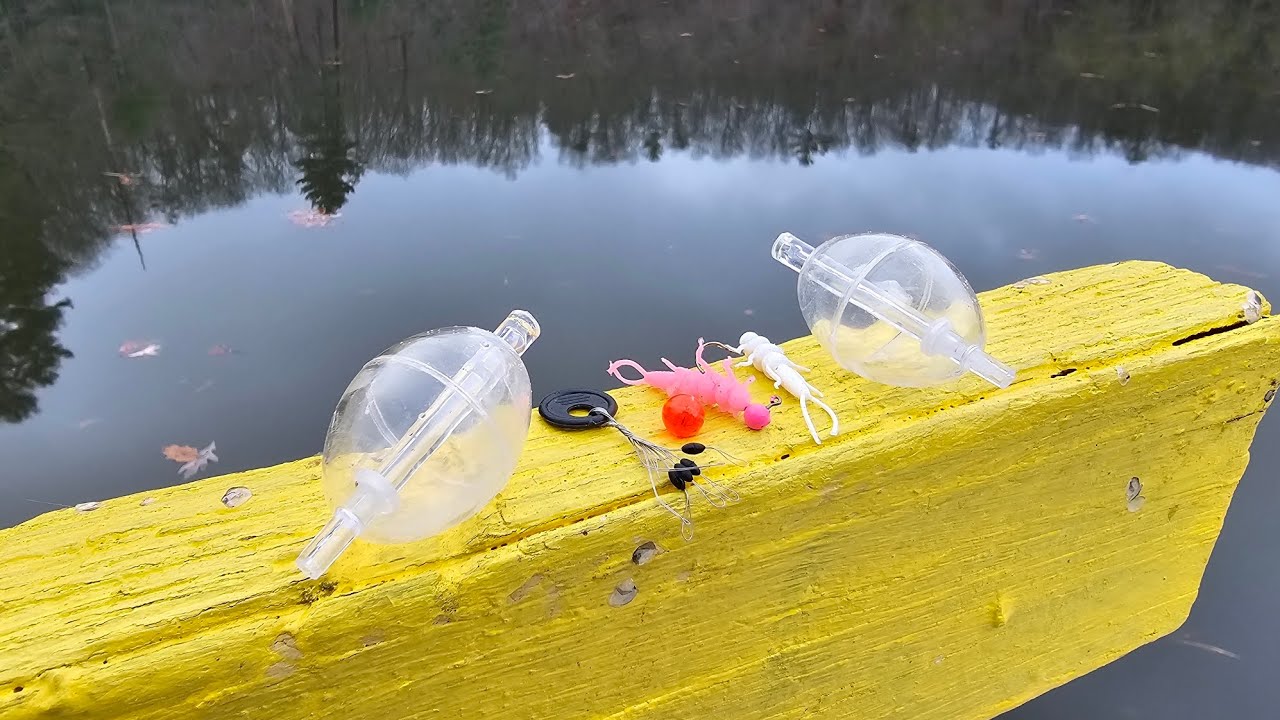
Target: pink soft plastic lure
<point>725,391</point>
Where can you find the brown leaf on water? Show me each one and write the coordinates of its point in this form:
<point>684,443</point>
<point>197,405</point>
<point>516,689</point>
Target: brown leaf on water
<point>180,453</point>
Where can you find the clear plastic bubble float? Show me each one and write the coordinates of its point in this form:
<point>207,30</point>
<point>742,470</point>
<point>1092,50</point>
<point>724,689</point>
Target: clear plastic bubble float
<point>424,437</point>
<point>891,309</point>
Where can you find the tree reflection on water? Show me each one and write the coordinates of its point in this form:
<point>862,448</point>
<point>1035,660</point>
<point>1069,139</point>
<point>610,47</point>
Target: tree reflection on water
<point>209,104</point>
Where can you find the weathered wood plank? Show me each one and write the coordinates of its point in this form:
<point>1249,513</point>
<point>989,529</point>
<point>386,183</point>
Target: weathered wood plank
<point>955,552</point>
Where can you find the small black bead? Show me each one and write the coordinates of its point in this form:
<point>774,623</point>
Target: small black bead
<point>692,448</point>
<point>693,466</point>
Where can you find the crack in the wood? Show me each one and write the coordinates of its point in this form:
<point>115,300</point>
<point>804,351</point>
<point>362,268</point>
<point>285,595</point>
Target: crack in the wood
<point>1238,418</point>
<point>1210,332</point>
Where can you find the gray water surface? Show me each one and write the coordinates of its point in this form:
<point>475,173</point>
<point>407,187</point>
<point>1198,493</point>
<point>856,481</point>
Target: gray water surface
<point>629,204</point>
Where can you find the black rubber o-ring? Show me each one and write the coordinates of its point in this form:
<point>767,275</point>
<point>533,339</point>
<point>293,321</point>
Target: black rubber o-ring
<point>557,408</point>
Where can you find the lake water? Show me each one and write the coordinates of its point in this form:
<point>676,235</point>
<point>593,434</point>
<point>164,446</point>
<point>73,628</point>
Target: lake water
<point>619,169</point>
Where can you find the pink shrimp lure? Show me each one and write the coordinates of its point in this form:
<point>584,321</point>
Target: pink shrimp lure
<point>725,391</point>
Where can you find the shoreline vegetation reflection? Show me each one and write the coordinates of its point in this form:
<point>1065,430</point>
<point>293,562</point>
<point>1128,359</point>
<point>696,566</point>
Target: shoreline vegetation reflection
<point>118,115</point>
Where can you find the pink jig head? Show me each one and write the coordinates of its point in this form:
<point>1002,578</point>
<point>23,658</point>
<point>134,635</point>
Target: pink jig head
<point>725,391</point>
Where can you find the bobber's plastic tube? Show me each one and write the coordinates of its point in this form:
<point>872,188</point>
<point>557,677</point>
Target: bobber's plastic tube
<point>935,338</point>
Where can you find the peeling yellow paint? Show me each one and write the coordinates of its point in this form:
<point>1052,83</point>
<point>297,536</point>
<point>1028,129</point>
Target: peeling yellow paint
<point>954,552</point>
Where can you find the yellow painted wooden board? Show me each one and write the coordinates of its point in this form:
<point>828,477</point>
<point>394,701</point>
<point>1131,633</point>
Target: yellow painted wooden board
<point>953,553</point>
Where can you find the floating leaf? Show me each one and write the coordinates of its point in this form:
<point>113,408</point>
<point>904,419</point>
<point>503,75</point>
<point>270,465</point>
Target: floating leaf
<point>124,178</point>
<point>312,218</point>
<point>139,348</point>
<point>140,228</point>
<point>236,496</point>
<point>180,453</point>
<point>205,457</point>
<point>1135,106</point>
<point>1209,648</point>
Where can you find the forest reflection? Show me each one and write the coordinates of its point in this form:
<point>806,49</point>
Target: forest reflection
<point>118,113</point>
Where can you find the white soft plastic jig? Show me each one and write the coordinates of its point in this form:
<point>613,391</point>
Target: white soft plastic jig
<point>769,359</point>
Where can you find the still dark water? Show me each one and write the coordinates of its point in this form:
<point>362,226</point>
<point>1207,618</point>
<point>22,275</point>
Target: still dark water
<point>617,168</point>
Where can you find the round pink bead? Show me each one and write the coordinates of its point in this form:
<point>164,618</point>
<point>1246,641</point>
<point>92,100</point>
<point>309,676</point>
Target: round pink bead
<point>756,416</point>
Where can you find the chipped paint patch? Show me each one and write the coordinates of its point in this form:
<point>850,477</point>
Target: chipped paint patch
<point>624,593</point>
<point>1252,307</point>
<point>999,611</point>
<point>236,496</point>
<point>1037,280</point>
<point>527,587</point>
<point>645,552</point>
<point>286,646</point>
<point>1133,495</point>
